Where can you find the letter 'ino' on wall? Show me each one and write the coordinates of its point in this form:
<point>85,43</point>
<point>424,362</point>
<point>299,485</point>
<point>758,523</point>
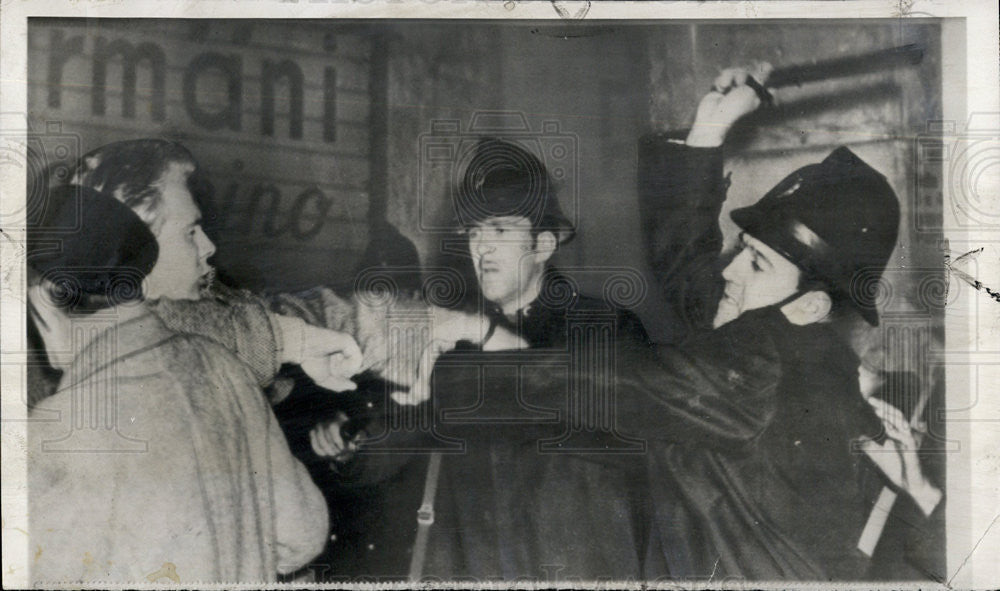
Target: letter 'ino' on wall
<point>277,113</point>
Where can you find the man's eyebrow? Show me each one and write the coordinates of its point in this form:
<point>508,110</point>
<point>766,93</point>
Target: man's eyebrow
<point>763,258</point>
<point>757,253</point>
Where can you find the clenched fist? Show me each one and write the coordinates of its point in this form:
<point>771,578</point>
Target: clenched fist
<point>329,357</point>
<point>731,98</point>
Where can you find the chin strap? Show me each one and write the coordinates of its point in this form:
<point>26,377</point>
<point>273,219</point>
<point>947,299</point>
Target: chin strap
<point>425,518</point>
<point>788,300</point>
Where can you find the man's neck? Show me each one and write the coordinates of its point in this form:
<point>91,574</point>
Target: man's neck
<point>524,298</point>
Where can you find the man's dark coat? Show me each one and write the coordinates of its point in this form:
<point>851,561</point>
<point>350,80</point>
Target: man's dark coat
<point>504,508</point>
<point>753,471</point>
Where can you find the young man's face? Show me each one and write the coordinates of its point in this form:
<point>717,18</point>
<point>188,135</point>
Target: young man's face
<point>182,270</point>
<point>756,278</point>
<point>506,261</point>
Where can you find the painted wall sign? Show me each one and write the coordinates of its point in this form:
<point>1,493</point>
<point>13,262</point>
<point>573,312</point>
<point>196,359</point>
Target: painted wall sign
<point>276,112</point>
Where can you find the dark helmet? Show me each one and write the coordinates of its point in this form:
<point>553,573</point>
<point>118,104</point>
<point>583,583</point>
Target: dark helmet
<point>837,220</point>
<point>505,179</point>
<point>90,244</point>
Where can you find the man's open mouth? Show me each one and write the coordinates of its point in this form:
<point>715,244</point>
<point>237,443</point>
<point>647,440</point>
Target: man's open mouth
<point>205,281</point>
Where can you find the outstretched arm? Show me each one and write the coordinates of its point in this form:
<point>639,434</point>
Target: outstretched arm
<point>264,340</point>
<point>699,394</point>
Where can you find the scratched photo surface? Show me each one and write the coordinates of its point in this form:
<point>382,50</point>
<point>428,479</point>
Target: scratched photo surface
<point>512,301</point>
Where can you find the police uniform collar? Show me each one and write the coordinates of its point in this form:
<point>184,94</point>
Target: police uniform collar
<point>798,343</point>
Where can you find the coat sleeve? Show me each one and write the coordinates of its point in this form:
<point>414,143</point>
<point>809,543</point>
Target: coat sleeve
<point>717,391</point>
<point>368,317</point>
<point>681,191</point>
<point>245,323</point>
<point>244,327</point>
<point>319,306</point>
<point>301,519</point>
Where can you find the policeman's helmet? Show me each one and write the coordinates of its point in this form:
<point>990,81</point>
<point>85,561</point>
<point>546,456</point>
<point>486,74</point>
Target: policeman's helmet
<point>836,220</point>
<point>505,179</point>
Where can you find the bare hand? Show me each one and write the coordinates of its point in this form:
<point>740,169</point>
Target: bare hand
<point>420,391</point>
<point>455,325</point>
<point>897,458</point>
<point>330,358</point>
<point>730,99</point>
<point>327,441</point>
<point>504,340</point>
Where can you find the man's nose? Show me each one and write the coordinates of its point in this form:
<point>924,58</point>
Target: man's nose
<point>483,247</point>
<point>734,269</point>
<point>205,245</point>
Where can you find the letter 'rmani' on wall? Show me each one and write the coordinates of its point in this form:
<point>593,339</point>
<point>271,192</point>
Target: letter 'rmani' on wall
<point>270,73</point>
<point>61,49</point>
<point>131,55</point>
<point>231,67</point>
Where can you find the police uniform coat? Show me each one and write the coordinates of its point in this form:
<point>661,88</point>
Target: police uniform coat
<point>506,509</point>
<point>752,469</point>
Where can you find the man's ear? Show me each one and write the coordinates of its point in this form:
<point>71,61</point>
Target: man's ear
<point>545,246</point>
<point>810,307</point>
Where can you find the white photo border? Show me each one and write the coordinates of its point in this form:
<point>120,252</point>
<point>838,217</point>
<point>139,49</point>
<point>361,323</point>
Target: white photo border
<point>969,44</point>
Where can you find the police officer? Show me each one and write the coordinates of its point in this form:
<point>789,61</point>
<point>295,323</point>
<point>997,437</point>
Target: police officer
<point>756,427</point>
<point>508,207</point>
<point>504,508</point>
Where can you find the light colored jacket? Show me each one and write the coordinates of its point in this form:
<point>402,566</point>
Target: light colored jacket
<point>157,459</point>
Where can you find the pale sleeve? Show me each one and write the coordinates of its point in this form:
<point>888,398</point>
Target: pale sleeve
<point>245,327</point>
<point>301,519</point>
<point>381,325</point>
<point>319,306</point>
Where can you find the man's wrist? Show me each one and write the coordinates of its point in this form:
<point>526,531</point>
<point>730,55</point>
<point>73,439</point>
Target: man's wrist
<point>292,339</point>
<point>926,496</point>
<point>706,136</point>
<point>455,325</point>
